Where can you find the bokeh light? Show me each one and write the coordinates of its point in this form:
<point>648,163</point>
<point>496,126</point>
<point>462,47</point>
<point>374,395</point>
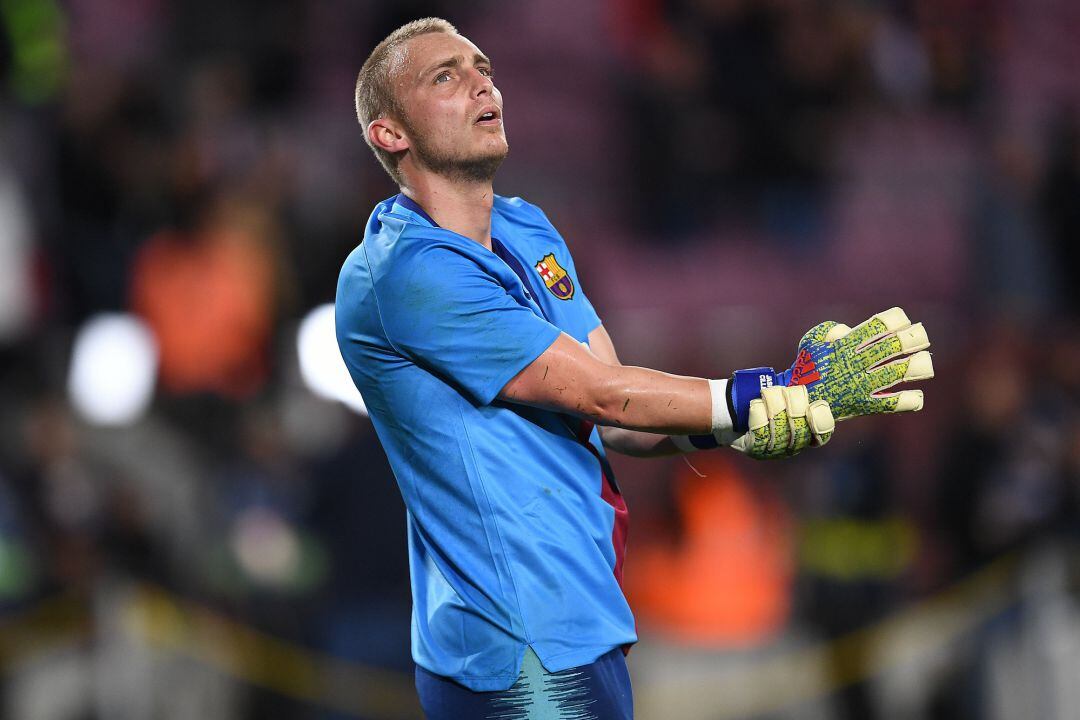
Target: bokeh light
<point>113,370</point>
<point>321,366</point>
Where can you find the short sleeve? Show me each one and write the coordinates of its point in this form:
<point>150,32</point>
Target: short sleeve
<point>592,320</point>
<point>590,317</point>
<point>447,313</point>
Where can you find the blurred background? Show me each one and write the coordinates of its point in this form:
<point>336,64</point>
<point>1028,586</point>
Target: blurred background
<point>196,519</point>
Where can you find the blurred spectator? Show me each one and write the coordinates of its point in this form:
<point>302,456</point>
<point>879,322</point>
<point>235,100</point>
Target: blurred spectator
<point>727,581</point>
<point>209,296</point>
<point>266,564</point>
<point>17,275</point>
<point>65,498</point>
<point>1058,195</point>
<point>1012,271</point>
<point>1001,485</point>
<point>364,609</point>
<point>733,105</point>
<point>955,34</point>
<point>856,548</point>
<point>19,559</point>
<point>264,501</point>
<point>112,188</point>
<point>200,163</point>
<point>900,63</point>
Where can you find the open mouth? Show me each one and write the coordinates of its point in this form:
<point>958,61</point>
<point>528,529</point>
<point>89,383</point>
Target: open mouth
<point>491,117</point>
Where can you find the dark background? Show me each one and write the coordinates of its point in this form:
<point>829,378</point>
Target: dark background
<point>727,174</point>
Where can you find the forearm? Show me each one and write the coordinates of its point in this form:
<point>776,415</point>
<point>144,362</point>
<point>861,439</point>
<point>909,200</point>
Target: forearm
<point>650,401</point>
<point>569,378</point>
<point>637,444</point>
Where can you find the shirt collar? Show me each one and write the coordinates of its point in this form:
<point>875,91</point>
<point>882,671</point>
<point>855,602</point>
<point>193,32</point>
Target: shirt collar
<point>412,206</point>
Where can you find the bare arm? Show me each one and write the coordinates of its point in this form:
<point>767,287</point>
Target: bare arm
<point>621,440</point>
<point>569,378</point>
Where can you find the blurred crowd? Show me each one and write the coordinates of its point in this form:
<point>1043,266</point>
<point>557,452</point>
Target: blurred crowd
<point>750,167</point>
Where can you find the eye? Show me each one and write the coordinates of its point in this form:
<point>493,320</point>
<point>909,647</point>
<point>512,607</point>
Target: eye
<point>486,72</point>
<point>442,77</point>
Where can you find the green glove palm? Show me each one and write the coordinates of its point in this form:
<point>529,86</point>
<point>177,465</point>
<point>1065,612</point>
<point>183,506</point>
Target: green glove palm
<point>854,369</point>
<point>784,422</point>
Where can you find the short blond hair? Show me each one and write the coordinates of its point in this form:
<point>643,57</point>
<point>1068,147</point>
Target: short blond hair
<point>374,91</point>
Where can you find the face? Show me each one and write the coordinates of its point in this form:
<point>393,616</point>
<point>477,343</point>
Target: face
<point>453,111</point>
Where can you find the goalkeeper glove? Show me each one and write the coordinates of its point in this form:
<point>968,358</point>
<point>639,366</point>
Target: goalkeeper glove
<point>848,368</point>
<point>782,422</point>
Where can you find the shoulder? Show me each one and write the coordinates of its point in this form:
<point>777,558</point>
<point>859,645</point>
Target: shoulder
<point>418,268</point>
<point>394,243</point>
<point>521,212</point>
<point>530,225</point>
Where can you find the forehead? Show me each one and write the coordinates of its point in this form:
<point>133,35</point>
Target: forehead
<point>415,55</point>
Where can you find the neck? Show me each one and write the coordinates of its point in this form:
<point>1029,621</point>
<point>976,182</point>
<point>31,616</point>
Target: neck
<point>463,207</point>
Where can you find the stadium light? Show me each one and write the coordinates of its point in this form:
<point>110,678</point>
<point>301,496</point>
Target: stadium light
<point>321,367</point>
<point>113,369</point>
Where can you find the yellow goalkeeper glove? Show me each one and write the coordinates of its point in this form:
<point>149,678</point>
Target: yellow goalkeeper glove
<point>854,370</point>
<point>783,422</point>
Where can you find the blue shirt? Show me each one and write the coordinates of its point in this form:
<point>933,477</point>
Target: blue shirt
<point>516,525</point>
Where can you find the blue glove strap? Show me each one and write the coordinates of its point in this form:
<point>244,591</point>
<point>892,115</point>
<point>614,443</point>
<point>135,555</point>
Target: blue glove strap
<point>745,386</point>
<point>703,442</point>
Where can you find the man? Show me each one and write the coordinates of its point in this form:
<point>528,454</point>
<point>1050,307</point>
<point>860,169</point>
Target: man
<point>496,390</point>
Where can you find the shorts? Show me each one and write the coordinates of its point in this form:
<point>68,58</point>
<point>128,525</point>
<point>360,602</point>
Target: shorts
<point>597,691</point>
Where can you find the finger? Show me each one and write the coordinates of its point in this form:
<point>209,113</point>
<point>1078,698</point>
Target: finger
<point>821,332</point>
<point>820,419</point>
<point>801,437</point>
<point>897,402</point>
<point>798,402</point>
<point>879,325</point>
<point>913,338</point>
<point>838,331</point>
<point>894,345</point>
<point>908,401</point>
<point>777,410</point>
<point>917,367</point>
<point>759,416</point>
<point>756,439</point>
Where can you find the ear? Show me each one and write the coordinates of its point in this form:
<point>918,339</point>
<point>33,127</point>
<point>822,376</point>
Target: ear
<point>387,135</point>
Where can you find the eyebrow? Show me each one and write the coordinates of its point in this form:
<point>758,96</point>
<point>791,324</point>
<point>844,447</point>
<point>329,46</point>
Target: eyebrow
<point>456,61</point>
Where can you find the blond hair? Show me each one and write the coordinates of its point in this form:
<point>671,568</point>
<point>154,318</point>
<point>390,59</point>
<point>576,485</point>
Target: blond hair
<point>374,92</point>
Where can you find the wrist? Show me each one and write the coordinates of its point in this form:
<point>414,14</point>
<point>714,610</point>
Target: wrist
<point>721,422</point>
<point>746,386</point>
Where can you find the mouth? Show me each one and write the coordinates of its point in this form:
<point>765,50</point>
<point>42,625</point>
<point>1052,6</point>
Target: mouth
<point>490,116</point>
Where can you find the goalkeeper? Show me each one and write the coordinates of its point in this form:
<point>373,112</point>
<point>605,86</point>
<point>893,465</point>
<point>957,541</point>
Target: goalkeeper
<point>496,393</point>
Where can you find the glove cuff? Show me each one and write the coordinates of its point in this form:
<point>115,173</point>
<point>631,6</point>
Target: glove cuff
<point>692,443</point>
<point>745,386</point>
<point>721,421</point>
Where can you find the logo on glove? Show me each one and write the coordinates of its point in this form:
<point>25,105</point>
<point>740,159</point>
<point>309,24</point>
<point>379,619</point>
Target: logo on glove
<point>804,371</point>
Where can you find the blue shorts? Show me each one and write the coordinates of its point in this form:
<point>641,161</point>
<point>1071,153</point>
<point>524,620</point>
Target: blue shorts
<point>597,691</point>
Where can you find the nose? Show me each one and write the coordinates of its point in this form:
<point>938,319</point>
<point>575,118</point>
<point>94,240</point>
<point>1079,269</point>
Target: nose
<point>482,84</point>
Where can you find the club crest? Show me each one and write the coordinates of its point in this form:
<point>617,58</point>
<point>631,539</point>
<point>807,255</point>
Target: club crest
<point>556,279</point>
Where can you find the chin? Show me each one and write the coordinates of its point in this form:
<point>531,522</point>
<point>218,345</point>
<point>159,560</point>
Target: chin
<point>478,166</point>
<point>493,145</point>
<point>500,151</point>
<point>483,168</point>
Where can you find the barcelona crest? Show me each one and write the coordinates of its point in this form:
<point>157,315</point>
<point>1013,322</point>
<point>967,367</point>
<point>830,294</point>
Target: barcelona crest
<point>556,279</point>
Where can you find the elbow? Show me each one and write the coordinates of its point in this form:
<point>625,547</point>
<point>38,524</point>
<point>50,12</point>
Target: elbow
<point>606,403</point>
